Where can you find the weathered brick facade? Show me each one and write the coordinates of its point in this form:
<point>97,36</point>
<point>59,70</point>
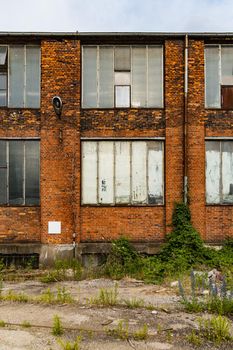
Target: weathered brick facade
<point>60,146</point>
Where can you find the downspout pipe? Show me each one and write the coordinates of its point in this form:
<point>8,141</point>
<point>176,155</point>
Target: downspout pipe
<point>185,130</point>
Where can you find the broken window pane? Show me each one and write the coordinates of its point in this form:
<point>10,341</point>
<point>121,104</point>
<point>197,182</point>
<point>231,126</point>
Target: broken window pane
<point>3,55</point>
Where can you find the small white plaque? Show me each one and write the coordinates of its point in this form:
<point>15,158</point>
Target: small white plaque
<point>54,227</point>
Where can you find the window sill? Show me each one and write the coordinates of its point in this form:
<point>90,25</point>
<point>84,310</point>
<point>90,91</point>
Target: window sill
<point>122,205</point>
<point>19,206</point>
<point>122,109</point>
<point>219,205</point>
<point>20,108</point>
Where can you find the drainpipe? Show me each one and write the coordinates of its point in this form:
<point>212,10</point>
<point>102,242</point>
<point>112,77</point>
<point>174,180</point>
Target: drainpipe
<point>185,131</point>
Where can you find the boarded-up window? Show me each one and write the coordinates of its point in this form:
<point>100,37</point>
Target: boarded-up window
<point>122,76</point>
<point>19,172</point>
<point>122,172</point>
<point>219,76</point>
<point>219,172</point>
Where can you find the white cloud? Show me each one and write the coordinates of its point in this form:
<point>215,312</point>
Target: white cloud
<point>118,15</point>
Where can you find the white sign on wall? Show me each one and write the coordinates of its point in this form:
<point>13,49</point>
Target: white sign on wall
<point>54,227</point>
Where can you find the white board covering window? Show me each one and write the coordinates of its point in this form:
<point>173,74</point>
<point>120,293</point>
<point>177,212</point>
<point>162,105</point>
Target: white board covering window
<point>219,172</point>
<point>122,76</point>
<point>122,172</point>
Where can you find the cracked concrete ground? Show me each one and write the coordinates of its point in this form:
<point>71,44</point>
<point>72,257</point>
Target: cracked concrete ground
<point>168,325</point>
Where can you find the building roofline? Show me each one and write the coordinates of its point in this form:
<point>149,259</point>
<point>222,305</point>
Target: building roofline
<point>77,34</point>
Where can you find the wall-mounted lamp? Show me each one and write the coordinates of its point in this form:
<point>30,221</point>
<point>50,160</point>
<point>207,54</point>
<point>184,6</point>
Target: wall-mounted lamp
<point>57,105</point>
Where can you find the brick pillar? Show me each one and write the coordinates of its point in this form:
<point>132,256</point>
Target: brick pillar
<point>196,135</point>
<point>59,137</point>
<point>174,109</point>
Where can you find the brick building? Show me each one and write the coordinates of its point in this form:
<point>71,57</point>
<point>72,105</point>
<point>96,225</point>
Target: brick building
<point>147,120</point>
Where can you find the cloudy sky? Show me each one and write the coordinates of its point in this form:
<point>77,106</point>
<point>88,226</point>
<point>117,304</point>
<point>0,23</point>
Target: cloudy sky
<point>118,15</point>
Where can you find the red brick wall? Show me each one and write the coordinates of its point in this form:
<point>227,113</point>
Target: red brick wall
<point>59,137</point>
<point>19,224</point>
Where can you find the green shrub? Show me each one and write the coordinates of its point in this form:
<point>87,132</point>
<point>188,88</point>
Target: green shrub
<point>216,329</point>
<point>57,328</point>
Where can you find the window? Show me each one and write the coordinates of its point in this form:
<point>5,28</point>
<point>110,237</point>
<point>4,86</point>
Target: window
<point>122,172</point>
<point>122,76</point>
<point>219,172</point>
<point>20,76</point>
<point>19,172</point>
<point>219,76</point>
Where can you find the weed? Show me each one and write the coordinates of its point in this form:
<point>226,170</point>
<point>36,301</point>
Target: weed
<point>106,297</point>
<point>57,326</point>
<point>216,329</point>
<point>66,345</point>
<point>47,297</point>
<point>194,339</point>
<point>26,324</point>
<point>141,333</point>
<point>121,331</point>
<point>15,297</point>
<point>63,296</point>
<point>64,270</point>
<point>134,303</point>
<point>2,323</point>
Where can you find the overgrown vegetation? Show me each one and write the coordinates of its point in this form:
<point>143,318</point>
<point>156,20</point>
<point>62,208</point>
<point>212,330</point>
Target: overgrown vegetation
<point>121,331</point>
<point>184,249</point>
<point>106,297</point>
<point>64,270</point>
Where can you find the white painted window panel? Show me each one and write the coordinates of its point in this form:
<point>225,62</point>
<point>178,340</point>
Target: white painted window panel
<point>213,163</point>
<point>139,77</point>
<point>122,58</point>
<point>89,77</point>
<point>155,173</point>
<point>139,172</point>
<point>155,77</point>
<point>106,77</point>
<point>227,172</point>
<point>122,172</point>
<point>89,172</point>
<point>212,77</point>
<point>106,172</point>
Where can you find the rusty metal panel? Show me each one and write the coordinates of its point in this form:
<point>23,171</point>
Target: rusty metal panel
<point>155,173</point>
<point>213,173</point>
<point>227,172</point>
<point>89,172</point>
<point>139,172</point>
<point>106,172</point>
<point>227,97</point>
<point>122,172</point>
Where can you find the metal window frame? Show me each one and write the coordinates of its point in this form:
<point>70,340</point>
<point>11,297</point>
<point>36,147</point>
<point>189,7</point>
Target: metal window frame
<point>8,139</point>
<point>97,74</point>
<point>25,46</point>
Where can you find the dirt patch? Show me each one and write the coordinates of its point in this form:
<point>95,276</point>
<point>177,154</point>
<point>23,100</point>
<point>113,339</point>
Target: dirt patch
<point>168,325</point>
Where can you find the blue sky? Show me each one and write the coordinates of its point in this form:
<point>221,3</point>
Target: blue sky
<point>118,15</point>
